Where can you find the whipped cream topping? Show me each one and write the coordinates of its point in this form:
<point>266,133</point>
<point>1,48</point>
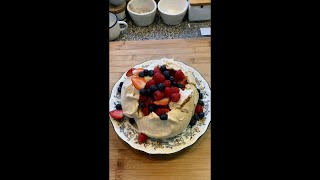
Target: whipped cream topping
<point>181,111</point>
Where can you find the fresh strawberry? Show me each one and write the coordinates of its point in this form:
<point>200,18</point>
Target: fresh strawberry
<point>167,92</point>
<point>143,98</point>
<point>157,69</point>
<point>138,82</point>
<point>150,83</point>
<point>199,108</point>
<point>145,110</point>
<point>162,102</point>
<point>162,110</point>
<point>134,71</point>
<point>175,97</point>
<point>158,95</point>
<point>142,138</point>
<point>179,75</point>
<point>175,89</point>
<point>167,83</point>
<point>117,114</point>
<point>158,77</point>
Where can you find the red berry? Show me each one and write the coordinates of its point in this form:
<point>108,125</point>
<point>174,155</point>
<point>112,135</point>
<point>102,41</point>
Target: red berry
<point>143,98</point>
<point>172,72</point>
<point>175,89</point>
<point>156,69</point>
<point>175,97</point>
<point>167,92</point>
<point>145,110</point>
<point>167,83</point>
<point>161,110</point>
<point>158,95</point>
<point>199,108</point>
<point>179,75</point>
<point>117,114</point>
<point>158,78</point>
<point>148,102</point>
<point>142,138</point>
<point>150,83</point>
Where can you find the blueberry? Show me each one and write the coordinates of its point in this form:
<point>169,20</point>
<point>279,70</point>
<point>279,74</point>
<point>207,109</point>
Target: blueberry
<point>193,122</point>
<point>148,92</point>
<point>146,72</point>
<point>143,91</point>
<point>173,83</point>
<point>119,89</point>
<point>166,74</point>
<point>195,117</point>
<point>163,68</point>
<point>161,86</point>
<point>118,107</point>
<point>153,88</point>
<point>200,96</point>
<point>201,115</point>
<point>171,78</point>
<point>141,74</point>
<point>142,105</point>
<point>179,85</point>
<point>164,116</point>
<point>151,73</point>
<point>132,121</point>
<point>152,108</point>
<point>121,84</point>
<point>200,103</point>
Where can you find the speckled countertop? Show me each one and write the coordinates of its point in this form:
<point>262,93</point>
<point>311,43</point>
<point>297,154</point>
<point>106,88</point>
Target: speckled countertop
<point>158,30</point>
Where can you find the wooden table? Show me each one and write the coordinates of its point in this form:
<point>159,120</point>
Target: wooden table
<point>191,163</point>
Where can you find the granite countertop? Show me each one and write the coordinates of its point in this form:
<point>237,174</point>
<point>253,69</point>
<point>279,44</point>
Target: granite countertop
<point>158,30</point>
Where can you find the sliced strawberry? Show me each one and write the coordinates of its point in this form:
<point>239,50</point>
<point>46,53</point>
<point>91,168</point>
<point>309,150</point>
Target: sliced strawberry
<point>162,110</point>
<point>138,82</point>
<point>199,108</point>
<point>117,114</point>
<point>142,138</point>
<point>162,102</point>
<point>134,71</point>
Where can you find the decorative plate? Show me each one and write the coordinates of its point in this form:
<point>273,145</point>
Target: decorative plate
<point>129,133</point>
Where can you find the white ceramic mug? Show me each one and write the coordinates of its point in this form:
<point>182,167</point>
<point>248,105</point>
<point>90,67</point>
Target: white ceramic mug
<point>114,26</point>
<point>142,12</point>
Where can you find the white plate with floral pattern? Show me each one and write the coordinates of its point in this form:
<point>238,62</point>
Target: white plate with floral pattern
<point>129,132</point>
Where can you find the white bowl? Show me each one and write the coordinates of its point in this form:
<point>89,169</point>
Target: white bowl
<point>142,12</point>
<point>172,12</point>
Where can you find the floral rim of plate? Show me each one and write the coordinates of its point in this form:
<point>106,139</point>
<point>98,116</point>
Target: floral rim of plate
<point>129,133</point>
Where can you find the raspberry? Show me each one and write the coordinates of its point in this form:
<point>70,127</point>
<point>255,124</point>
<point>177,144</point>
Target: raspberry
<point>172,72</point>
<point>143,98</point>
<point>167,92</point>
<point>175,97</point>
<point>158,78</point>
<point>158,95</point>
<point>145,111</point>
<point>167,83</point>
<point>150,83</point>
<point>179,75</point>
<point>175,89</point>
<point>199,108</point>
<point>156,70</point>
<point>142,138</point>
<point>148,102</point>
<point>162,110</point>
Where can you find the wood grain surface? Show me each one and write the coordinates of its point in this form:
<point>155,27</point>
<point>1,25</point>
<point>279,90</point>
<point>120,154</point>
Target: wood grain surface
<point>191,163</point>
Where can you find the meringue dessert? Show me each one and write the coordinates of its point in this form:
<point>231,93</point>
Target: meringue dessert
<point>162,99</point>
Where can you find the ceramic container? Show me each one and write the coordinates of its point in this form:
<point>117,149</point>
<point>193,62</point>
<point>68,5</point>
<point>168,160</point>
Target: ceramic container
<point>142,12</point>
<point>114,26</point>
<point>172,12</point>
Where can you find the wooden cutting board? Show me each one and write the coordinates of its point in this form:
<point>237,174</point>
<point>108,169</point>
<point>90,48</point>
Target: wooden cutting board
<point>189,164</point>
